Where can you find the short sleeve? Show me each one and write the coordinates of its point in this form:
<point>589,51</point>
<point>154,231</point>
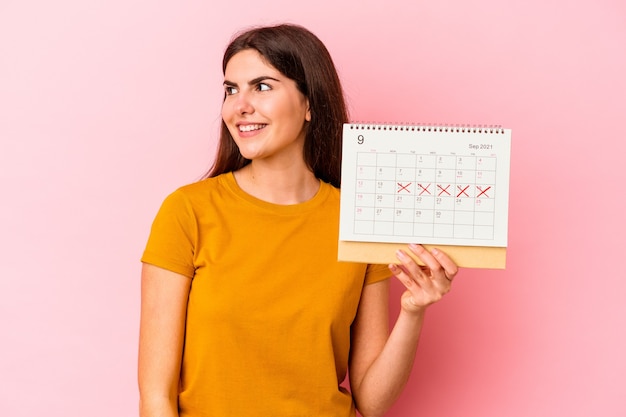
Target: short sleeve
<point>173,236</point>
<point>376,273</point>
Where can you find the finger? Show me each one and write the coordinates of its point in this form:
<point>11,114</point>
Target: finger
<point>440,264</point>
<point>409,265</point>
<point>426,257</point>
<point>448,264</point>
<point>403,276</point>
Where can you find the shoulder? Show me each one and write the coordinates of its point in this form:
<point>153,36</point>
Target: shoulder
<point>186,201</point>
<point>331,191</point>
<point>198,191</point>
<point>201,187</point>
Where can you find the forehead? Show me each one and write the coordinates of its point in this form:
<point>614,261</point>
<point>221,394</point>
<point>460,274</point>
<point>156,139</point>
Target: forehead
<point>249,63</point>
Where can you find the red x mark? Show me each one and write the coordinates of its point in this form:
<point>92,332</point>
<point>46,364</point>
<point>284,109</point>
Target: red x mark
<point>443,190</point>
<point>424,189</point>
<point>462,191</point>
<point>483,191</point>
<point>404,187</point>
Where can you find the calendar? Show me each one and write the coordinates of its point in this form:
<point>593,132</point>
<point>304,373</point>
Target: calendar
<point>442,185</point>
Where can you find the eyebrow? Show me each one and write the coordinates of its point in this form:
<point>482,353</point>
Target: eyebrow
<point>253,81</point>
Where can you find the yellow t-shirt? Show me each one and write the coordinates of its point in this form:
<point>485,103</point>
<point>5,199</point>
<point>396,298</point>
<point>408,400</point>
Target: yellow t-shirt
<point>270,307</point>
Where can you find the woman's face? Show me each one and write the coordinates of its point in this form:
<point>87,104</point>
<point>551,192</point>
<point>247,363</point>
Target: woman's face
<point>264,111</point>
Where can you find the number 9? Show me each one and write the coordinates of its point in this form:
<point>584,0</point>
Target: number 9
<point>360,139</point>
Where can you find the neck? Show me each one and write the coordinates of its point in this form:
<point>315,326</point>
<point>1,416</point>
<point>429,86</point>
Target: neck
<point>285,185</point>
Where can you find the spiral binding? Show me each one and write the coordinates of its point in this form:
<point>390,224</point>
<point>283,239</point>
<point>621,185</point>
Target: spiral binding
<point>458,128</point>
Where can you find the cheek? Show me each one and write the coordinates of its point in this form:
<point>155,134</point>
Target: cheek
<point>229,108</point>
<point>226,111</point>
<point>227,115</point>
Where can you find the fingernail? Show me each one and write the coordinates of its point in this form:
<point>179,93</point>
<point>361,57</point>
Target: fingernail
<point>435,251</point>
<point>400,254</point>
<point>416,248</point>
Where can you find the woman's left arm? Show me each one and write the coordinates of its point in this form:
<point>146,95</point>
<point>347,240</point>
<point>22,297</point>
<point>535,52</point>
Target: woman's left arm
<point>380,363</point>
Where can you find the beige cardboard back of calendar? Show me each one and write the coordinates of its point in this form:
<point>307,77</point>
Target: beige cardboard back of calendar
<point>385,253</point>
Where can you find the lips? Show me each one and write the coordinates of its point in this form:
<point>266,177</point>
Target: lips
<point>251,127</point>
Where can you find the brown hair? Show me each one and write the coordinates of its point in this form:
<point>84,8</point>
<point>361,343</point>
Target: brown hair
<point>301,56</point>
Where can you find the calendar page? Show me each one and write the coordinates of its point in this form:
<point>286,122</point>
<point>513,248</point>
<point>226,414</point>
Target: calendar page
<point>441,185</point>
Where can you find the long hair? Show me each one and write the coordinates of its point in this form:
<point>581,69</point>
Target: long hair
<point>301,56</point>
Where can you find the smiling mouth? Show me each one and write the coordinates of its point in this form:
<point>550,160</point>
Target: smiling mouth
<point>250,128</point>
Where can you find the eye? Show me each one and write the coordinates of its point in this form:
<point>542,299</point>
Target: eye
<point>230,90</point>
<point>263,87</point>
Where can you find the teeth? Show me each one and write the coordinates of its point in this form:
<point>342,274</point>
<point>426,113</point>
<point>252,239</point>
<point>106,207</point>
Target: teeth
<point>250,128</point>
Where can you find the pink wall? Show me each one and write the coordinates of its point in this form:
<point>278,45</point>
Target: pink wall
<point>107,106</point>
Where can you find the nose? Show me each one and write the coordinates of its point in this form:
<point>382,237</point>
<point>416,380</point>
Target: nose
<point>242,104</point>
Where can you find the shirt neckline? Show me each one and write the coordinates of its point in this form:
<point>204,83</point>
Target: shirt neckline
<point>314,202</point>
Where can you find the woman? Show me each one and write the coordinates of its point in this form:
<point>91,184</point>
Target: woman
<point>245,309</point>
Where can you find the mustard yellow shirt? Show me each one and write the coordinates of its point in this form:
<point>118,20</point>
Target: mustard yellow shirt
<point>270,307</point>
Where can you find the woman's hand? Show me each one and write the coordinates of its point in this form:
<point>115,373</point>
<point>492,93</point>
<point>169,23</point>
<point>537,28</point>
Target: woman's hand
<point>425,284</point>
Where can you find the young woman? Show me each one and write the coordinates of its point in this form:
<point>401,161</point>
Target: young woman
<point>245,309</point>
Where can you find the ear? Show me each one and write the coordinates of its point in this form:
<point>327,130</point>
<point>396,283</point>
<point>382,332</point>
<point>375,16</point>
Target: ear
<point>307,116</point>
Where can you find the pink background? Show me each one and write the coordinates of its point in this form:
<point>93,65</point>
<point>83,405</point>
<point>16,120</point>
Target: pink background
<point>108,105</point>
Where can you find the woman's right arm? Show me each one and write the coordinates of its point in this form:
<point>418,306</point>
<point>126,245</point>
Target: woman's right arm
<point>164,296</point>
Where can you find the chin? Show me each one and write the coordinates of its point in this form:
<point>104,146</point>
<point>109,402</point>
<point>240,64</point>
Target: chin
<point>250,155</point>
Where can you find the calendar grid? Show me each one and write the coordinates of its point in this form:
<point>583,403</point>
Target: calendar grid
<point>425,195</point>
